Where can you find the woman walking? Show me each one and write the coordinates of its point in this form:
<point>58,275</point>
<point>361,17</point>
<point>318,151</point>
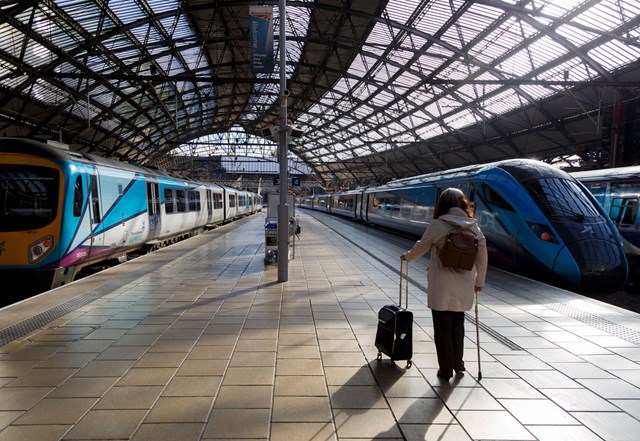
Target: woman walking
<point>450,291</point>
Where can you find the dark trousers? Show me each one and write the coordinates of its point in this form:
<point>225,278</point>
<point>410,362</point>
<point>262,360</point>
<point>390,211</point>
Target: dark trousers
<point>448,335</point>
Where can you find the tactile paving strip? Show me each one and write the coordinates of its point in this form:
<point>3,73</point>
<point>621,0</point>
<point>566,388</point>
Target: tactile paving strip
<point>587,318</point>
<point>26,327</point>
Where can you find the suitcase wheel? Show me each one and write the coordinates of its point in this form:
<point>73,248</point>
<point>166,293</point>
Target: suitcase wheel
<point>409,364</point>
<point>379,357</point>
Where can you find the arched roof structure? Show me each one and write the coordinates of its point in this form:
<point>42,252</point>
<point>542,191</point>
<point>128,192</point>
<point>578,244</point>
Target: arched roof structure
<point>381,88</point>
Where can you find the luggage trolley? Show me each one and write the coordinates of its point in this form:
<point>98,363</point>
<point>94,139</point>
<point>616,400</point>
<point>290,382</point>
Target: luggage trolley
<point>271,228</point>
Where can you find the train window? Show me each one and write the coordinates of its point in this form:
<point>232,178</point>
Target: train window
<point>168,200</point>
<point>194,200</point>
<point>28,197</point>
<point>181,200</point>
<point>561,198</point>
<point>217,201</point>
<point>78,197</point>
<point>232,200</point>
<point>95,199</point>
<point>624,210</point>
<point>494,198</point>
<point>209,201</point>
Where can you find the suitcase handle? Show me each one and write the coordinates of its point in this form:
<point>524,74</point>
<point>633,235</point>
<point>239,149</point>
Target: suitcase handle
<point>406,286</point>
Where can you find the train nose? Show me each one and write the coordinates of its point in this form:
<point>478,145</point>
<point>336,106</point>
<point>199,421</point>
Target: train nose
<point>592,264</point>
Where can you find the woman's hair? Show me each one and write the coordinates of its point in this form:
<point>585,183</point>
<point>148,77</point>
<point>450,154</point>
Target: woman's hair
<point>449,198</point>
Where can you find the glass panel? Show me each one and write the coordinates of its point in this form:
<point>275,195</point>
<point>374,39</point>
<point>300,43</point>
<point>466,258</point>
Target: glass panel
<point>28,197</point>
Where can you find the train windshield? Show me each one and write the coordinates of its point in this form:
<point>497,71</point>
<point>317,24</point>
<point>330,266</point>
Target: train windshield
<point>28,197</point>
<point>561,198</point>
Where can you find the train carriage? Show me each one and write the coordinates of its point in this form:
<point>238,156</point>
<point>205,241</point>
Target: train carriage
<point>617,190</point>
<point>61,211</point>
<point>538,220</point>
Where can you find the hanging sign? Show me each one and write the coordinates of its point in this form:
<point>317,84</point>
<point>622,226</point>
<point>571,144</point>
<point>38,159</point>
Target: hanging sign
<point>261,38</point>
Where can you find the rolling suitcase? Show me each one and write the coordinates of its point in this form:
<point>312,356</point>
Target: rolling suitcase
<point>395,324</point>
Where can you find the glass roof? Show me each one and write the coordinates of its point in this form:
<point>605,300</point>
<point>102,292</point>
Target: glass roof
<point>386,81</point>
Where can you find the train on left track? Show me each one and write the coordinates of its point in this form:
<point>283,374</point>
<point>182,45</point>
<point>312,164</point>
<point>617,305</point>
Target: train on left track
<point>62,211</point>
<point>538,220</point>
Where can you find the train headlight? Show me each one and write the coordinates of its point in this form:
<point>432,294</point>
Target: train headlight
<point>40,248</point>
<point>543,232</point>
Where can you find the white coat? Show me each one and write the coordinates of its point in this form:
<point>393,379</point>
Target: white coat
<point>450,289</point>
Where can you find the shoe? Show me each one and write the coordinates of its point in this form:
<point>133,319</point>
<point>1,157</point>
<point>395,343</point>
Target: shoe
<point>460,369</point>
<point>441,375</point>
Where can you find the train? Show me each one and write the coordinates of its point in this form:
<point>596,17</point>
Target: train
<point>62,211</point>
<point>617,190</point>
<point>538,220</point>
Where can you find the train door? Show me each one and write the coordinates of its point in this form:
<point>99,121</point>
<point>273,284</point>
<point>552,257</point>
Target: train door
<point>358,208</point>
<point>209,206</point>
<point>153,207</point>
<point>95,212</point>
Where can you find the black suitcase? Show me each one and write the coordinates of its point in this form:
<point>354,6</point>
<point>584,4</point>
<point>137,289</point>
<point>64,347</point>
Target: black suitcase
<point>394,336</point>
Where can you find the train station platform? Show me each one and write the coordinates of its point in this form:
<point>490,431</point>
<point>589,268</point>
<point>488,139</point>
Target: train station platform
<point>198,341</point>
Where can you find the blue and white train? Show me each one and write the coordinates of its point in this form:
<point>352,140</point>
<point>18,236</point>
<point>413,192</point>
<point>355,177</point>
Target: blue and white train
<point>538,220</point>
<point>61,211</point>
<point>617,190</point>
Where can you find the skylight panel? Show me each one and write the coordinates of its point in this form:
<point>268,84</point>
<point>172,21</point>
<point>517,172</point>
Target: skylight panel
<point>36,55</point>
<point>431,22</point>
<point>400,56</point>
<point>429,131</point>
<point>87,14</point>
<point>379,38</point>
<point>400,10</point>
<point>459,70</point>
<point>537,91</point>
<point>571,70</point>
<point>126,10</point>
<point>460,119</point>
<point>146,34</point>
<point>576,36</point>
<point>47,93</point>
<point>10,39</point>
<point>614,54</point>
<point>464,31</point>
<point>160,6</point>
<point>545,50</point>
<point>501,103</point>
<point>508,35</point>
<point>385,73</point>
<point>360,66</point>
<point>556,8</point>
<point>603,16</point>
<point>407,80</point>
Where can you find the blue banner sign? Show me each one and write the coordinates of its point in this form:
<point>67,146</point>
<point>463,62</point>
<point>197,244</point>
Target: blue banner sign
<point>261,38</point>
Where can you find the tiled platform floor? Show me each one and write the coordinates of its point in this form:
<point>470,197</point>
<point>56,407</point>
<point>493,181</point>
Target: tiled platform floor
<point>199,341</point>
